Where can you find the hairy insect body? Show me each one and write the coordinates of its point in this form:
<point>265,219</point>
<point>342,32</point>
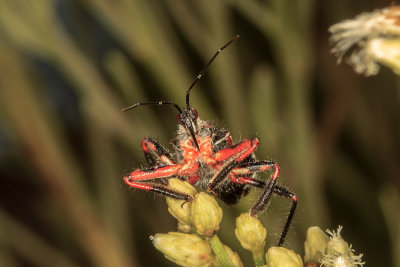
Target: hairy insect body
<point>211,140</point>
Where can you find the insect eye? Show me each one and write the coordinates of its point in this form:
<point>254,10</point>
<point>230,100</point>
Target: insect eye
<point>195,114</point>
<point>179,119</point>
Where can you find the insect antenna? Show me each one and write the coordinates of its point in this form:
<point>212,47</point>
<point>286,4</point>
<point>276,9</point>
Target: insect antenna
<point>159,103</point>
<point>198,77</point>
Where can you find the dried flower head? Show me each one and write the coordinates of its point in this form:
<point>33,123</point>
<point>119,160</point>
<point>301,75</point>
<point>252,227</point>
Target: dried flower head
<point>341,261</point>
<point>336,244</point>
<point>371,38</point>
<point>339,253</point>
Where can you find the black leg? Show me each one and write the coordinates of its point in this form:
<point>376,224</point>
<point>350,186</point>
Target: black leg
<point>156,188</point>
<point>220,176</point>
<point>280,191</point>
<point>270,188</point>
<point>235,156</point>
<point>286,193</point>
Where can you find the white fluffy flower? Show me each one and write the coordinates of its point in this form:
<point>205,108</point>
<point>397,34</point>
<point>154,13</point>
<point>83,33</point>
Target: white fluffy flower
<point>369,38</point>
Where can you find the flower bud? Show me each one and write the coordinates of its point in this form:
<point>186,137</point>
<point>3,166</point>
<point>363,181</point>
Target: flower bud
<point>282,257</point>
<point>315,244</point>
<point>250,233</point>
<point>184,249</point>
<point>179,208</point>
<point>336,244</point>
<point>206,214</point>
<point>233,256</point>
<point>339,253</point>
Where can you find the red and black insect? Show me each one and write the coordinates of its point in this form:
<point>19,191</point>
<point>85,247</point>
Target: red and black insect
<point>206,156</point>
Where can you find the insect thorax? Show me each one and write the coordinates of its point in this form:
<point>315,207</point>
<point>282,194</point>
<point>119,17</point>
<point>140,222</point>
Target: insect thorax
<point>219,137</point>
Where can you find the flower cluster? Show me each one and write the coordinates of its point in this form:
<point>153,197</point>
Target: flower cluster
<point>371,38</point>
<point>197,243</point>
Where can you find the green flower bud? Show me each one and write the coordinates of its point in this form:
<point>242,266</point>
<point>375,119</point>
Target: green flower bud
<point>282,257</point>
<point>251,233</point>
<point>315,244</point>
<point>179,208</point>
<point>233,256</point>
<point>206,214</point>
<point>184,249</point>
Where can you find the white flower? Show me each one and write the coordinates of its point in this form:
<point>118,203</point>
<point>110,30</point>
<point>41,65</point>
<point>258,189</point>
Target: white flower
<point>366,37</point>
<point>339,253</point>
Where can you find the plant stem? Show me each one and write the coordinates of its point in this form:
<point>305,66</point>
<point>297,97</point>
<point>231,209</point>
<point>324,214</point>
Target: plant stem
<point>222,258</point>
<point>258,259</point>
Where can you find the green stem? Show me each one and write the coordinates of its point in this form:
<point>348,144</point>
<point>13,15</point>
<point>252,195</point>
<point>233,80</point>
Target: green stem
<point>259,259</point>
<point>222,258</point>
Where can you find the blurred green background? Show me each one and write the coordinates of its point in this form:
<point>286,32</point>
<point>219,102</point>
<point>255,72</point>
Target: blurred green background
<point>68,67</point>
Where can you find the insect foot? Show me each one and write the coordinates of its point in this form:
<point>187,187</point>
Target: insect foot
<point>202,215</point>
<point>181,209</point>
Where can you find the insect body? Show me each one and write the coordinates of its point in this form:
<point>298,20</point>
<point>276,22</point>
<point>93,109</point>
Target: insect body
<point>206,156</point>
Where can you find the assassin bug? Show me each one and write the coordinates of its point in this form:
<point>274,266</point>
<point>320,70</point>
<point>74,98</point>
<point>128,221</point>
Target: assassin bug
<point>206,156</point>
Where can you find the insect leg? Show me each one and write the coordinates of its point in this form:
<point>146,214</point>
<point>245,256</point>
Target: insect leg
<point>234,156</point>
<point>146,180</point>
<point>160,189</point>
<point>239,151</point>
<point>269,189</point>
<point>281,191</point>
